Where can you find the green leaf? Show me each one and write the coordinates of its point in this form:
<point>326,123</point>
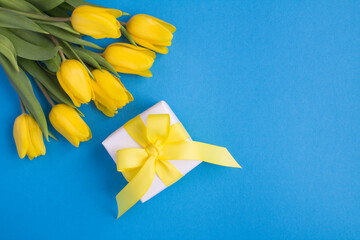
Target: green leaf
<point>76,3</point>
<point>98,58</point>
<point>53,64</point>
<point>88,59</point>
<point>48,81</point>
<point>13,20</point>
<point>70,37</point>
<point>67,7</point>
<point>19,5</point>
<point>22,86</point>
<point>28,50</point>
<point>33,37</point>
<point>61,25</point>
<point>127,35</point>
<point>43,67</point>
<point>52,136</point>
<point>58,12</point>
<point>8,50</point>
<point>38,16</point>
<point>46,5</point>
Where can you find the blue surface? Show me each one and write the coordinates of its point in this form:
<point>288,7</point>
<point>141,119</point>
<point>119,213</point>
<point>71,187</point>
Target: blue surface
<point>277,83</point>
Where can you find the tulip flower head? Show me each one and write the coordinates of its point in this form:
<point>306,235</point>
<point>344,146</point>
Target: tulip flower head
<point>68,123</point>
<point>110,93</point>
<point>127,58</point>
<point>151,32</point>
<point>75,81</point>
<point>28,137</point>
<point>96,22</point>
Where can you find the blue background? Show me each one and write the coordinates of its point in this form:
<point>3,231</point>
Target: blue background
<point>276,82</point>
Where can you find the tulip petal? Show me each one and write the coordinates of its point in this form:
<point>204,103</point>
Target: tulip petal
<point>36,137</point>
<point>108,112</point>
<point>101,97</point>
<point>110,92</point>
<point>28,137</point>
<point>136,48</point>
<point>115,12</point>
<point>148,29</point>
<point>124,56</point>
<point>69,124</point>
<point>75,81</point>
<point>21,135</point>
<point>36,146</point>
<point>102,25</point>
<point>169,26</point>
<point>67,90</point>
<point>96,22</point>
<point>111,85</point>
<point>86,9</point>
<point>151,32</point>
<point>130,97</point>
<point>145,73</point>
<point>156,48</point>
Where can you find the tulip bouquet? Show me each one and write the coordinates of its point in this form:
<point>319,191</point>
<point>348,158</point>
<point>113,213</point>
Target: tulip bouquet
<point>41,42</point>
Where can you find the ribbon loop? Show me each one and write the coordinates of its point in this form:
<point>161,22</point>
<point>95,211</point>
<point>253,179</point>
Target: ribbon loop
<point>161,142</point>
<point>137,130</point>
<point>177,133</point>
<point>129,158</point>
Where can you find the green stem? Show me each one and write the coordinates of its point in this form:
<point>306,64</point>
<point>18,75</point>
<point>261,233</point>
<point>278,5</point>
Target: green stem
<point>37,16</point>
<point>22,106</point>
<point>43,90</point>
<point>55,41</point>
<point>45,69</point>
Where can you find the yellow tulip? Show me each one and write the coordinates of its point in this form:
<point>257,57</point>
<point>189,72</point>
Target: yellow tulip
<point>75,81</point>
<point>28,137</point>
<point>151,32</point>
<point>127,58</point>
<point>96,22</point>
<point>68,123</point>
<point>110,93</point>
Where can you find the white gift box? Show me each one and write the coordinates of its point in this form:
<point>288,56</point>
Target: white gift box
<point>120,139</point>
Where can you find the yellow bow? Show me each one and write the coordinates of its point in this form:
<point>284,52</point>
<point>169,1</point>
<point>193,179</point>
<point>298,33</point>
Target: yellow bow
<point>161,142</point>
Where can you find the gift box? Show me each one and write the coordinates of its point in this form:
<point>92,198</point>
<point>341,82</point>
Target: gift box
<point>153,151</point>
<point>120,139</point>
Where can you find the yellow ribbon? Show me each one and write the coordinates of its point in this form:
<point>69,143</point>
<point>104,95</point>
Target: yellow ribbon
<point>161,142</point>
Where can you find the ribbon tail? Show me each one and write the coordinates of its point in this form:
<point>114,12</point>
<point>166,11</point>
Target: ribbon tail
<point>136,188</point>
<point>199,151</point>
<point>167,172</point>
